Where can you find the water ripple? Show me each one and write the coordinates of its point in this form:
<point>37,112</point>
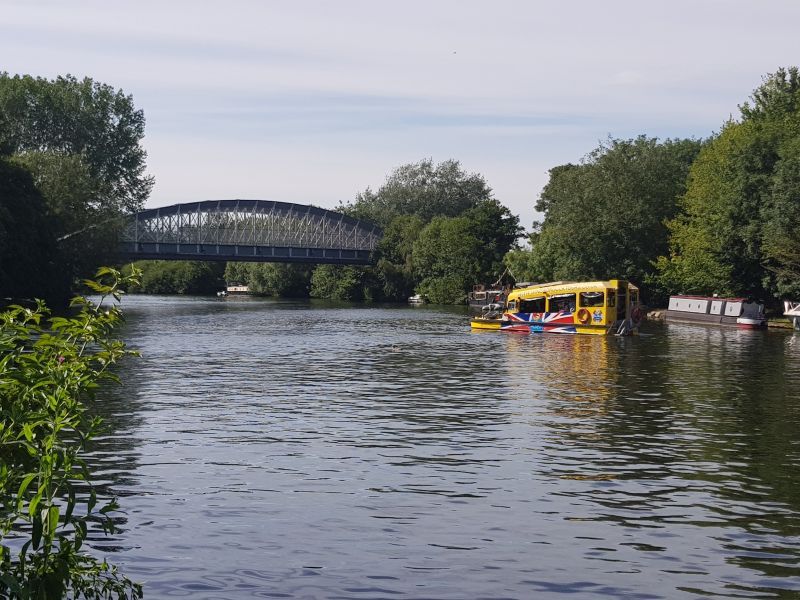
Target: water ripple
<point>274,449</point>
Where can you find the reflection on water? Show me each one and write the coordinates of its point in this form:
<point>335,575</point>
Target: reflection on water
<point>289,449</point>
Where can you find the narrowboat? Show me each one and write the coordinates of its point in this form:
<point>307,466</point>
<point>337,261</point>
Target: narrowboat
<point>712,310</point>
<point>589,307</point>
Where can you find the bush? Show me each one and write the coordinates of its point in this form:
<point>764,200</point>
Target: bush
<point>49,371</point>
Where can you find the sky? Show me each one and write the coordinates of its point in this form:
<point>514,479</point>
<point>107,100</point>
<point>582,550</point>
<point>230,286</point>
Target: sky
<point>313,102</point>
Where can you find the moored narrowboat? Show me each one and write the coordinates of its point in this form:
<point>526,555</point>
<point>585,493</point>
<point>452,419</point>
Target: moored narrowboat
<point>589,307</point>
<point>712,310</point>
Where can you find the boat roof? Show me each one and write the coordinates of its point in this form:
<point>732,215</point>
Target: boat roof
<point>709,298</point>
<point>561,287</point>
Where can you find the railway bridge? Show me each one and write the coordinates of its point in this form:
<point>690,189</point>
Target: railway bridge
<point>248,230</point>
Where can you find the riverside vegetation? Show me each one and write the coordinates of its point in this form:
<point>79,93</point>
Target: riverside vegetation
<point>49,371</point>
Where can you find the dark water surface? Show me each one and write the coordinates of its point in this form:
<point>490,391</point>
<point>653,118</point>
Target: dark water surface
<point>294,450</point>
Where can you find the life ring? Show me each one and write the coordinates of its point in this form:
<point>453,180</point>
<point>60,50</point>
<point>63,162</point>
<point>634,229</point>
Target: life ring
<point>584,316</point>
<point>636,314</point>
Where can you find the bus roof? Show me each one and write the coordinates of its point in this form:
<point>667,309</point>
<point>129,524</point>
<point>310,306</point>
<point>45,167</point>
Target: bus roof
<point>561,287</point>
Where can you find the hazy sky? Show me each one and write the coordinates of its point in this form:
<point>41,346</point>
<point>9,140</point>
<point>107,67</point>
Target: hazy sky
<point>312,102</point>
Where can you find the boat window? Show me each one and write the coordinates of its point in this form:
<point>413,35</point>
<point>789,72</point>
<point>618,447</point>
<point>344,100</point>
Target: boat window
<point>612,297</point>
<point>634,298</point>
<point>592,299</point>
<point>512,306</point>
<point>532,305</point>
<point>562,303</point>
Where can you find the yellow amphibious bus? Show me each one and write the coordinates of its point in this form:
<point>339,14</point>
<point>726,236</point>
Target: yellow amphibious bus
<point>593,307</point>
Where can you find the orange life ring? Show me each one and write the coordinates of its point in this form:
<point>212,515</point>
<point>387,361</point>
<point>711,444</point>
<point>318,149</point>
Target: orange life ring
<point>584,316</point>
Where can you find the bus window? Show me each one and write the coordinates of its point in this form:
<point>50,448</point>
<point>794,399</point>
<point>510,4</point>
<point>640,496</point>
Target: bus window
<point>591,299</point>
<point>562,303</point>
<point>532,305</point>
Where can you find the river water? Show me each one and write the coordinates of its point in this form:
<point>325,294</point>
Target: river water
<point>281,449</point>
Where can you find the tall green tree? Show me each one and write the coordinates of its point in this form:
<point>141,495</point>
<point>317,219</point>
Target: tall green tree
<point>79,117</point>
<point>605,218</point>
<point>446,259</point>
<point>422,189</point>
<point>81,141</point>
<point>413,198</point>
<point>736,234</point>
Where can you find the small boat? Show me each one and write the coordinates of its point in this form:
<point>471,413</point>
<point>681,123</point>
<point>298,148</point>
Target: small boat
<point>791,310</point>
<point>491,317</point>
<point>416,299</point>
<point>482,296</point>
<point>222,293</point>
<point>588,307</point>
<point>712,310</point>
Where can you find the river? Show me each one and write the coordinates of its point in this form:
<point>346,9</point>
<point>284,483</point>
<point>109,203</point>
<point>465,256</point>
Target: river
<point>291,449</point>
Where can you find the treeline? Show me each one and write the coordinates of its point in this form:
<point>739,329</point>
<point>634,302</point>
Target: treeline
<point>443,232</point>
<point>71,163</point>
<point>720,215</point>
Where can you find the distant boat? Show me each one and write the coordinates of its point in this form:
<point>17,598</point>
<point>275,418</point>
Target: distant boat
<point>736,312</point>
<point>416,299</point>
<point>482,296</point>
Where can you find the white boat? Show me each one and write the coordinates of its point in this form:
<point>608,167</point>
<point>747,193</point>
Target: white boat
<point>718,311</point>
<point>416,299</point>
<point>791,310</point>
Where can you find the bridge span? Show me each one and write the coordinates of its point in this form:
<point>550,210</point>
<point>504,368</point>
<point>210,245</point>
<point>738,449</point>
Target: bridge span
<point>248,230</point>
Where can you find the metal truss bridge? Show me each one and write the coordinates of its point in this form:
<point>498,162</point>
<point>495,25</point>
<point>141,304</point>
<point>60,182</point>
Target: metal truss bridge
<point>248,230</point>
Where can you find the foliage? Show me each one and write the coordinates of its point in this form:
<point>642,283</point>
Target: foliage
<point>336,282</point>
<point>271,279</point>
<point>49,370</point>
<point>418,198</point>
<point>81,142</point>
<point>738,231</point>
<point>605,218</point>
<point>27,241</point>
<point>85,226</point>
<point>421,189</point>
<point>179,277</point>
<point>79,117</point>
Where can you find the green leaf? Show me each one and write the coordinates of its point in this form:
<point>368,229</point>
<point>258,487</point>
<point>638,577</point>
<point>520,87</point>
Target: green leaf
<point>52,520</point>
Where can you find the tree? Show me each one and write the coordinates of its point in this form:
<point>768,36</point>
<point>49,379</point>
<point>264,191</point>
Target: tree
<point>336,282</point>
<point>81,141</point>
<point>446,259</point>
<point>271,279</point>
<point>736,234</point>
<point>421,189</point>
<point>605,218</point>
<point>414,196</point>
<point>27,242</point>
<point>179,277</point>
<point>87,118</point>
